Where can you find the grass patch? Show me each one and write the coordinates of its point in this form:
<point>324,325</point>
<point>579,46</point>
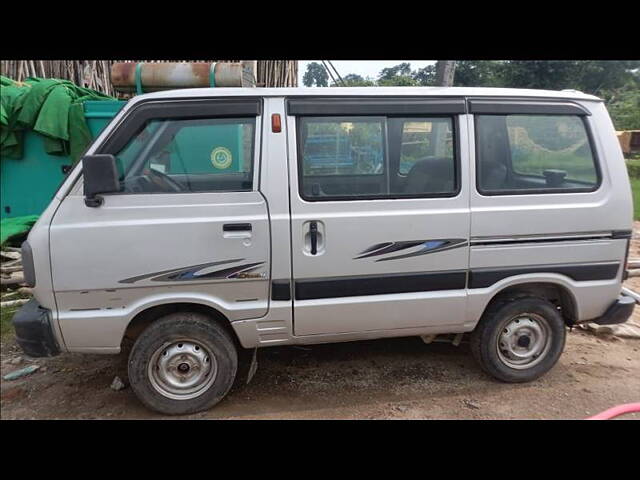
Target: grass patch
<point>635,188</point>
<point>6,327</point>
<point>6,314</point>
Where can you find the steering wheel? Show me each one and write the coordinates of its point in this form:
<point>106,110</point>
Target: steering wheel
<point>162,180</point>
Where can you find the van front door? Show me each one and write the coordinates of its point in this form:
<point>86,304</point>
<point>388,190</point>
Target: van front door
<point>188,225</point>
<point>379,214</point>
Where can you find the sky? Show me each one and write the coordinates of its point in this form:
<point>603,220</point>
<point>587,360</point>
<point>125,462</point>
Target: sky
<point>364,68</point>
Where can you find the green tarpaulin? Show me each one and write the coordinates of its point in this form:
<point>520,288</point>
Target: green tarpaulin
<point>48,106</point>
<point>13,227</point>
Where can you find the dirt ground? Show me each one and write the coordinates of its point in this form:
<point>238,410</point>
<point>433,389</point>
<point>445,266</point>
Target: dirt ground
<point>398,378</point>
<point>384,379</point>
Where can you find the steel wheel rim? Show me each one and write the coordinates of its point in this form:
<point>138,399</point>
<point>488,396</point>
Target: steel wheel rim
<point>523,341</point>
<point>182,369</point>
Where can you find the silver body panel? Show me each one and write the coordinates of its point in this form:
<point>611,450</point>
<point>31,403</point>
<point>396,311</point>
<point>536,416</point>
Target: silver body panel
<point>82,255</point>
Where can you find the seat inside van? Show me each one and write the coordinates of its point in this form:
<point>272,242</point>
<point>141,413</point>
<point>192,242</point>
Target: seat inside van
<point>431,175</point>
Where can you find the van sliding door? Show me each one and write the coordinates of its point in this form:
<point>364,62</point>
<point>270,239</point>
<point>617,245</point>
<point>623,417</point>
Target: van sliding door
<point>379,213</point>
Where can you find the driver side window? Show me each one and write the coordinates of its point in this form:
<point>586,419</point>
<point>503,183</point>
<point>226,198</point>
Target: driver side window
<point>189,155</point>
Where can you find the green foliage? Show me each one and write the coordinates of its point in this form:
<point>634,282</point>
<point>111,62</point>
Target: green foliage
<point>635,189</point>
<point>624,106</point>
<point>633,167</point>
<point>425,76</point>
<point>584,75</point>
<point>6,327</point>
<point>398,81</point>
<point>390,73</point>
<point>316,75</point>
<point>616,81</point>
<point>474,73</point>
<point>354,80</point>
<point>549,75</point>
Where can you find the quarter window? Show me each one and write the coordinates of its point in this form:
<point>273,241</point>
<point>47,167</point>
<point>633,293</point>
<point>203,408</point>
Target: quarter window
<point>534,154</point>
<point>376,157</point>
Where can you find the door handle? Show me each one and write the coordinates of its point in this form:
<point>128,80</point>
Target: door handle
<point>313,231</point>
<point>236,227</point>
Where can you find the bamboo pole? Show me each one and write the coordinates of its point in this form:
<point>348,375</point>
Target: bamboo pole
<point>95,74</point>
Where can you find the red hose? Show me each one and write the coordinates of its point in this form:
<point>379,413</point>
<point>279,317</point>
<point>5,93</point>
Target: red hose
<point>617,411</point>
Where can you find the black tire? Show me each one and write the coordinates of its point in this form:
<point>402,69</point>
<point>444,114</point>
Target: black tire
<point>170,329</point>
<point>500,314</point>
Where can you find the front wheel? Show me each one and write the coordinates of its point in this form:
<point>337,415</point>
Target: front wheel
<point>182,363</point>
<point>519,339</point>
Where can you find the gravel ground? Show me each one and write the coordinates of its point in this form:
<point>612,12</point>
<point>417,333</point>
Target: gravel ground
<point>383,379</point>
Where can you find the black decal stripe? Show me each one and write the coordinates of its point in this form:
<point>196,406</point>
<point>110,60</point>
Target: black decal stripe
<point>389,247</point>
<point>309,289</point>
<point>428,246</point>
<point>485,277</point>
<point>426,250</point>
<point>375,247</point>
<point>231,272</point>
<point>178,270</point>
<point>191,272</point>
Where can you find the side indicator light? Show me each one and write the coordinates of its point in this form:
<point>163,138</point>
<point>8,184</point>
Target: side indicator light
<point>276,123</point>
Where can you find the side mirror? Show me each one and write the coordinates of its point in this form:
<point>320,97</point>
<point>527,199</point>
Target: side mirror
<point>100,176</point>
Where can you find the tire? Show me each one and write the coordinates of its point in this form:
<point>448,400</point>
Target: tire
<point>497,342</point>
<point>182,363</point>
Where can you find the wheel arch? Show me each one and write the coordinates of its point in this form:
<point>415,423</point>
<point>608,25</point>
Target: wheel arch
<point>555,292</point>
<point>142,319</point>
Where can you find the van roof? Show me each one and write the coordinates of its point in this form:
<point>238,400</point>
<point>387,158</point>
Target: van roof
<point>369,92</point>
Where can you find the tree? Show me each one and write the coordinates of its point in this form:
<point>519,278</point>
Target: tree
<point>397,81</point>
<point>547,74</point>
<point>390,73</point>
<point>425,76</point>
<point>316,75</point>
<point>354,80</point>
<point>398,75</point>
<point>624,106</point>
<point>617,82</point>
<point>598,76</point>
<point>478,73</point>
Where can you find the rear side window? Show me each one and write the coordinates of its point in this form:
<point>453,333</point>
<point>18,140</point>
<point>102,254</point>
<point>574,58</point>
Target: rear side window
<point>189,155</point>
<point>353,158</point>
<point>534,154</point>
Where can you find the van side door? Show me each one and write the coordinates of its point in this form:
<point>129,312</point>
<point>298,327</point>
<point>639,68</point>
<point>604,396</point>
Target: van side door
<point>188,224</point>
<point>379,214</point>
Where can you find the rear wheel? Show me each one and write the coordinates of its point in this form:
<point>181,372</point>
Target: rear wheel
<point>519,339</point>
<point>182,363</point>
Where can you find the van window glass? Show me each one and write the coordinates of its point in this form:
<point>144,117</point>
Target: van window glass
<point>423,139</point>
<point>343,147</point>
<point>534,153</point>
<point>189,155</point>
<point>376,157</point>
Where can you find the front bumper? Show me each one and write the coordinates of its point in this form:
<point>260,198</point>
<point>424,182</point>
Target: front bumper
<point>618,312</point>
<point>33,330</point>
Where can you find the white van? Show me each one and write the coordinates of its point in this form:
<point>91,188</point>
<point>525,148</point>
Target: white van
<point>205,221</point>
